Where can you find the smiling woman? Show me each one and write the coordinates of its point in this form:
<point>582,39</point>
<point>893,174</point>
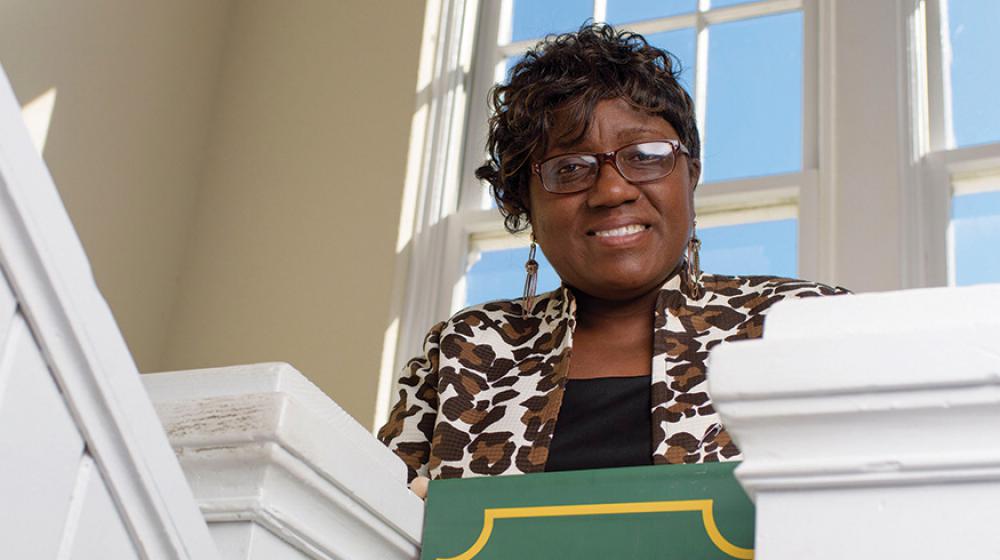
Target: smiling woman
<point>593,146</point>
<point>614,238</point>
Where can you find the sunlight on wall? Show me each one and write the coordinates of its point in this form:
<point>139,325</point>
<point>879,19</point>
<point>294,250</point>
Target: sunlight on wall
<point>411,185</point>
<point>410,221</point>
<point>37,115</point>
<point>387,377</point>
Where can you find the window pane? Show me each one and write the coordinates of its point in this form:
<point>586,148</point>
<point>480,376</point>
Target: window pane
<point>679,43</point>
<point>625,11</point>
<point>534,19</point>
<point>754,116</point>
<point>499,274</point>
<point>724,3</point>
<point>769,248</point>
<point>975,222</point>
<point>975,44</point>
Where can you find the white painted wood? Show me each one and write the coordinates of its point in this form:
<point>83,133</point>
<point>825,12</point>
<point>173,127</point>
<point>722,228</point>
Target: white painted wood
<point>99,530</point>
<point>40,449</point>
<point>868,420</point>
<point>244,539</point>
<point>927,310</point>
<point>8,306</point>
<point>85,471</point>
<point>261,444</point>
<point>41,258</point>
<point>233,538</point>
<point>878,523</point>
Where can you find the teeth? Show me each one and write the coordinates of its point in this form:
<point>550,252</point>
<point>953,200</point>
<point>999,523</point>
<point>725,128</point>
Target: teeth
<point>618,232</point>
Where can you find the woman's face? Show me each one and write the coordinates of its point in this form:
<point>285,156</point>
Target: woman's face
<point>573,229</point>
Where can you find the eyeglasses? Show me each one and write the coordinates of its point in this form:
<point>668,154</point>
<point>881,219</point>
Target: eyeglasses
<point>637,163</point>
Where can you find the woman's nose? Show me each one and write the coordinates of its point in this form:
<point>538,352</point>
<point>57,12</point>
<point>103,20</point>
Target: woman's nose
<point>610,187</point>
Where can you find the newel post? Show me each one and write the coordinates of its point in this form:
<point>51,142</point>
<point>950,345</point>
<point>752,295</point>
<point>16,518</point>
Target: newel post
<point>870,425</point>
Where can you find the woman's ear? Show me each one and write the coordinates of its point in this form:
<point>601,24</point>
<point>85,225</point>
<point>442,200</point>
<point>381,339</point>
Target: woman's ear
<point>694,172</point>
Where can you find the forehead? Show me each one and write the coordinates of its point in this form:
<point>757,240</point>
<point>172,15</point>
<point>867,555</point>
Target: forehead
<point>612,122</point>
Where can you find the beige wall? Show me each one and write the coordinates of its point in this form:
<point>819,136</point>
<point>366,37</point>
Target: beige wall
<point>293,251</point>
<point>134,85</point>
<point>234,170</point>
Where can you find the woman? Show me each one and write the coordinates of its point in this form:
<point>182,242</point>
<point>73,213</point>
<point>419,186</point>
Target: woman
<point>593,145</point>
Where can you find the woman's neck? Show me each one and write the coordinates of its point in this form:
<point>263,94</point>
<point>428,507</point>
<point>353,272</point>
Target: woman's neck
<point>612,337</point>
<point>593,313</point>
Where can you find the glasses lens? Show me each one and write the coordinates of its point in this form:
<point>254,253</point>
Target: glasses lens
<point>646,161</point>
<point>569,173</point>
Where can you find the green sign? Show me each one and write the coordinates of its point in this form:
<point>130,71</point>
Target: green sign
<point>676,511</point>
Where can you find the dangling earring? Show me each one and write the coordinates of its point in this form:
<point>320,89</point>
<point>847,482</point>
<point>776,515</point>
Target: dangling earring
<point>531,280</point>
<point>692,270</point>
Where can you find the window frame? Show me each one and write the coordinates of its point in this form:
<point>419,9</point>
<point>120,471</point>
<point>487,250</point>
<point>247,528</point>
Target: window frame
<point>869,219</point>
<point>946,170</point>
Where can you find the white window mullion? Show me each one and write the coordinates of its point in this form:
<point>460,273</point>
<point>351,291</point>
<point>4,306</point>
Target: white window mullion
<point>660,25</point>
<point>494,27</point>
<point>747,11</point>
<point>701,76</point>
<point>934,213</point>
<point>924,198</point>
<point>937,46</point>
<point>812,197</point>
<point>726,196</point>
<point>600,11</point>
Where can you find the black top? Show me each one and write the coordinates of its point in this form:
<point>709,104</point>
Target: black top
<point>603,422</point>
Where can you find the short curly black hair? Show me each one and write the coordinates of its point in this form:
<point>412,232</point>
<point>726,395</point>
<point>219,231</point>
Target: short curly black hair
<point>575,71</point>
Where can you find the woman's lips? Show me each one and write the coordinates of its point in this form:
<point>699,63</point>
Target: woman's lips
<point>619,236</point>
<point>620,231</point>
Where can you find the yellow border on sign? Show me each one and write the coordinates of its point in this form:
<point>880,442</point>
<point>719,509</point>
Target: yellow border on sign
<point>704,506</point>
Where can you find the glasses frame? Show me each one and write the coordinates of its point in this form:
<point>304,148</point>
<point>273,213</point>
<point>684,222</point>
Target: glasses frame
<point>676,146</point>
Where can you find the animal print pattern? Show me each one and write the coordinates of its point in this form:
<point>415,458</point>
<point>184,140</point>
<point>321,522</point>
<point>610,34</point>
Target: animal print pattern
<point>484,397</point>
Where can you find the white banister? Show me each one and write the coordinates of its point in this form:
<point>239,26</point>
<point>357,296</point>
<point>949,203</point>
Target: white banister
<point>87,472</point>
<point>280,471</point>
<point>870,425</point>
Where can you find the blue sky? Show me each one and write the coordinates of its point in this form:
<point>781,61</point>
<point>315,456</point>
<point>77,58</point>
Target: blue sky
<point>976,228</point>
<point>974,27</point>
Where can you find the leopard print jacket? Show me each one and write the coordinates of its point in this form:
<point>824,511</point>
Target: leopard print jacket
<point>484,396</point>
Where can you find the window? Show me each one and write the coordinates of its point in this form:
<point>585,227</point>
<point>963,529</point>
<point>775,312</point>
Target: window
<point>496,271</point>
<point>748,211</point>
<point>858,145</point>
<point>965,133</point>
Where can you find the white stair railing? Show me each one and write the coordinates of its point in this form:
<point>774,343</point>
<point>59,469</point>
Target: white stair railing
<point>870,425</point>
<point>280,471</point>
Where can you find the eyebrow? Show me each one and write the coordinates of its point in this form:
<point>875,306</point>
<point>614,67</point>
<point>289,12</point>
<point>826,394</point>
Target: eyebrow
<point>568,141</point>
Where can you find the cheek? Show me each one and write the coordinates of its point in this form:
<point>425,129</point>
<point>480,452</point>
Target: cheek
<point>677,205</point>
<point>547,216</point>
<point>548,231</point>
